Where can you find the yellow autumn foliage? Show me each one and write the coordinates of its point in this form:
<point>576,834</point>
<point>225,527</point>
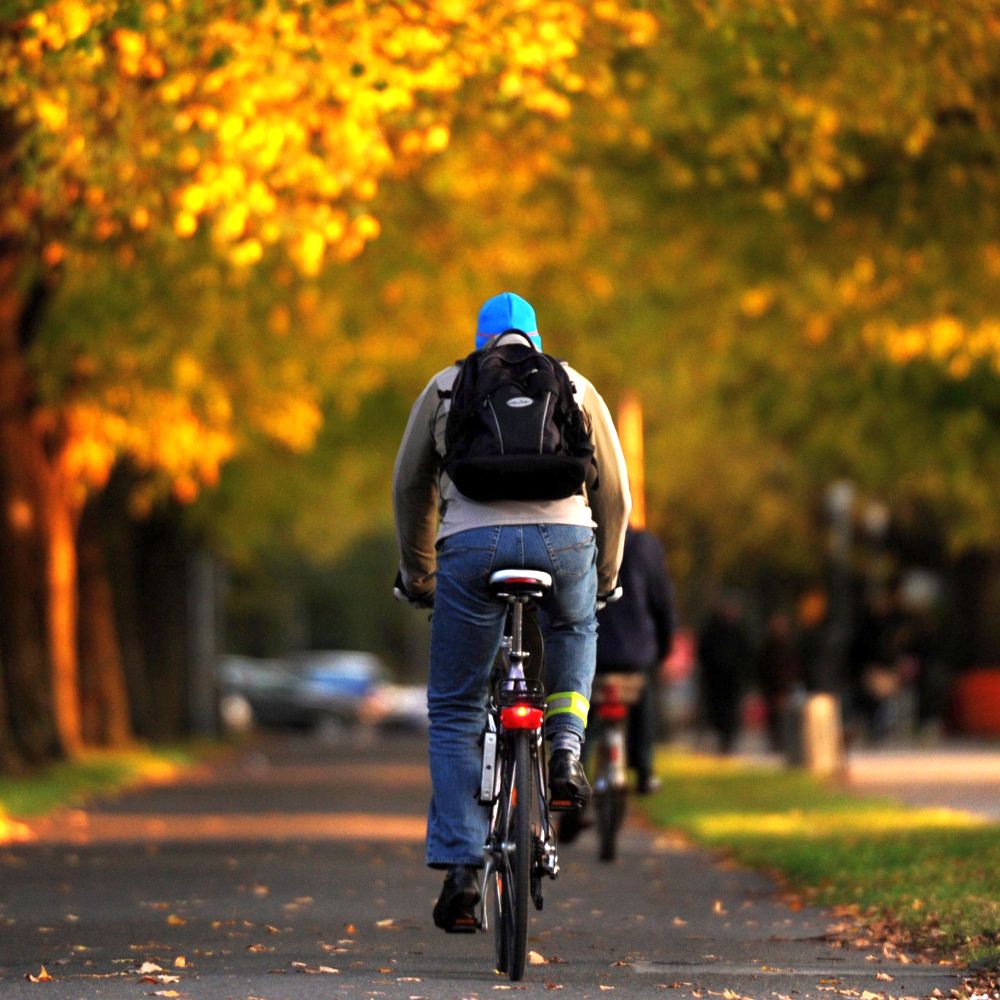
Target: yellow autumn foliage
<point>279,108</point>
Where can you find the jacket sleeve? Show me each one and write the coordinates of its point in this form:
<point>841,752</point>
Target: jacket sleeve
<point>415,495</point>
<point>611,502</point>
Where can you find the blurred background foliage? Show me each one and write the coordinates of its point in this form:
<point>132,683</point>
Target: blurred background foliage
<point>239,240</point>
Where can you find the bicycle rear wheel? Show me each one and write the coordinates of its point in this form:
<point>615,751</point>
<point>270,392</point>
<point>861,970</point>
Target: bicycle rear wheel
<point>610,813</point>
<point>512,878</point>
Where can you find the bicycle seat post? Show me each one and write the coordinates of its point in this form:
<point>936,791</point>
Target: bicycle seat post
<point>517,587</point>
<point>517,652</point>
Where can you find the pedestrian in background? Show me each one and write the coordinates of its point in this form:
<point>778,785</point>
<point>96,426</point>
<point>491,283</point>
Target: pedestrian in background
<point>779,675</point>
<point>724,664</point>
<point>634,636</point>
<point>875,660</point>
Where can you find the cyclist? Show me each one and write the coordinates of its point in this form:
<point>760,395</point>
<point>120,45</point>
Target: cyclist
<point>448,546</point>
<point>635,636</point>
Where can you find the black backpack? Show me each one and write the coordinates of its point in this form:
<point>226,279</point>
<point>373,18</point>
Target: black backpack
<point>515,430</point>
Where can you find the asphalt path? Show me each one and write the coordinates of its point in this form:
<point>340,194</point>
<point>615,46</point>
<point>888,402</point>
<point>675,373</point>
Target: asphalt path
<point>293,870</point>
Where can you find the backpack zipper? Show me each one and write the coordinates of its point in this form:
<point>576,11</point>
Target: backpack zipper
<point>489,403</point>
<point>545,417</point>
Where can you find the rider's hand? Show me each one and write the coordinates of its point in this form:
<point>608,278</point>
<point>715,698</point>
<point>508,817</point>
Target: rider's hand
<point>603,600</point>
<point>400,592</point>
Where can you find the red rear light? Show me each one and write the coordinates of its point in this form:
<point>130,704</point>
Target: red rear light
<point>521,717</point>
<point>613,711</point>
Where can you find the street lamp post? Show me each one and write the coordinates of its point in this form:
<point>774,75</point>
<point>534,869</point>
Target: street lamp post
<point>840,500</point>
<point>822,723</point>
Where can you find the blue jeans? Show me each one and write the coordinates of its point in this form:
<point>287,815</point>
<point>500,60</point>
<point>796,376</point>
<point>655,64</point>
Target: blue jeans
<point>465,636</point>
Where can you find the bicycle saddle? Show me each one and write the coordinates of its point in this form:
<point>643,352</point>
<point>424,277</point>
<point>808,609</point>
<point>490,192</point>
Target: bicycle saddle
<point>520,582</point>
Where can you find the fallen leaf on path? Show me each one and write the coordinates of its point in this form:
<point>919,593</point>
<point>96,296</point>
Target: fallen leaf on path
<point>553,986</point>
<point>389,923</point>
<point>256,948</point>
<point>718,908</point>
<point>176,921</point>
<point>408,979</point>
<point>165,993</point>
<point>350,929</point>
<point>603,987</point>
<point>884,976</point>
<point>260,890</point>
<point>180,962</point>
<point>534,958</point>
<point>42,977</point>
<point>729,994</point>
<point>148,967</point>
<point>868,995</point>
<point>309,970</point>
<point>679,922</point>
<point>271,929</point>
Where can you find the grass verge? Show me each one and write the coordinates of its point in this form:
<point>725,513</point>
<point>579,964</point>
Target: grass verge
<point>931,876</point>
<point>71,783</point>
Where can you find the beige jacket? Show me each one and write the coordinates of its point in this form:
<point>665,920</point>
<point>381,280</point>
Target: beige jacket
<point>428,507</point>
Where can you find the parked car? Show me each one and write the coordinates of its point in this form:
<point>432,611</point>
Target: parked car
<point>316,688</point>
<point>256,691</point>
<point>340,686</point>
<point>400,708</point>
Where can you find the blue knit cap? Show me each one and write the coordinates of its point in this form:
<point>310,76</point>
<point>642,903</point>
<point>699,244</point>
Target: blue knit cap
<point>504,312</point>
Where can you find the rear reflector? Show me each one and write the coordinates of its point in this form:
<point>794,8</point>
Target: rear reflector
<point>613,712</point>
<point>521,717</point>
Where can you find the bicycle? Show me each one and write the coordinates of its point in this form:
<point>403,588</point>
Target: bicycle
<point>520,844</point>
<point>520,847</point>
<point>612,697</point>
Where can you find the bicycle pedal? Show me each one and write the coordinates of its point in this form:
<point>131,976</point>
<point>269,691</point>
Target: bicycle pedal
<point>567,805</point>
<point>463,925</point>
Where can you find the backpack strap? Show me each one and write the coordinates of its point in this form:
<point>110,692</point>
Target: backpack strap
<point>519,333</point>
<point>448,393</point>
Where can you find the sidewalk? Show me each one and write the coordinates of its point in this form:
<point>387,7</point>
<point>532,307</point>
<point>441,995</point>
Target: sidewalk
<point>296,870</point>
<point>953,774</point>
<point>957,775</point>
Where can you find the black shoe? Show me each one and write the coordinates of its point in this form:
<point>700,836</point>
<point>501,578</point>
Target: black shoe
<point>568,785</point>
<point>455,910</point>
<point>646,784</point>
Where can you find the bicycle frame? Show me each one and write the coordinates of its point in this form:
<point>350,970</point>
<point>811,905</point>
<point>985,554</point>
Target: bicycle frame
<point>516,706</point>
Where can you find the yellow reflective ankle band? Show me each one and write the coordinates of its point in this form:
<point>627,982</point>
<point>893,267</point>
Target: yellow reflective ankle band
<point>567,701</point>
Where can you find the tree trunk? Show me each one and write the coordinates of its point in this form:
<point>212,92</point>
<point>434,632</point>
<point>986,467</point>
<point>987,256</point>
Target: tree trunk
<point>119,537</point>
<point>103,693</point>
<point>23,584</point>
<point>61,574</point>
<point>162,576</point>
<point>38,526</point>
<point>11,760</point>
